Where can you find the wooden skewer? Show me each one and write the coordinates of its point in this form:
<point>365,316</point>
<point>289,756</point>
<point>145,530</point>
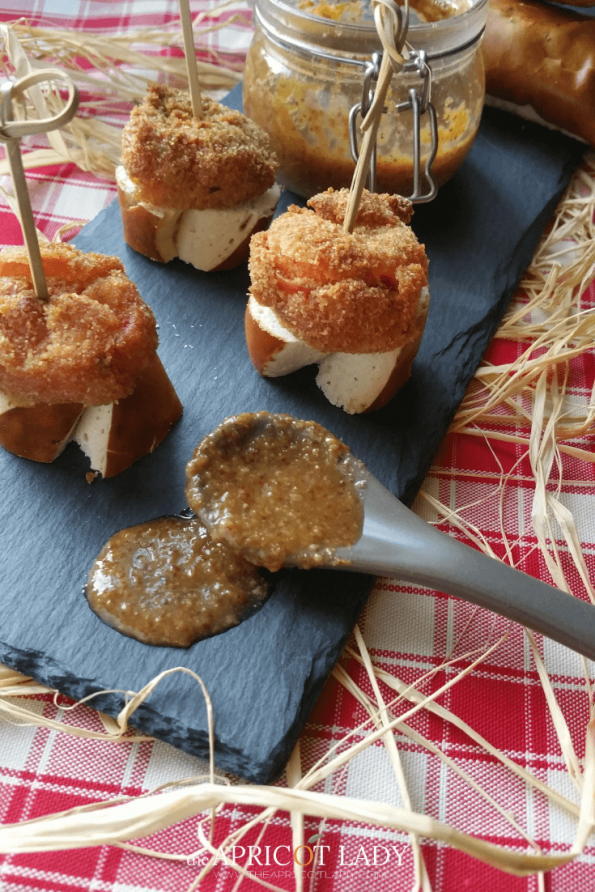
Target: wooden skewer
<point>10,134</point>
<point>190,53</point>
<point>370,125</point>
<point>19,184</point>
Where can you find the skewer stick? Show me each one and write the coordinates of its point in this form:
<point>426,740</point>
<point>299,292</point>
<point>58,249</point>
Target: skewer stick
<point>19,185</point>
<point>371,124</point>
<point>11,132</point>
<point>190,53</point>
<point>392,29</point>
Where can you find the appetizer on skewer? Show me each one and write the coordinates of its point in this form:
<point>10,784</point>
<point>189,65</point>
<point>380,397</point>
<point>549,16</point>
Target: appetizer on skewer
<point>194,188</point>
<point>354,302</point>
<point>81,364</point>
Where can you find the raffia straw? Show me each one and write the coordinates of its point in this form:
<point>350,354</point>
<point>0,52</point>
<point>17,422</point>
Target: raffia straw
<point>293,774</point>
<point>413,694</point>
<point>587,815</point>
<point>560,724</point>
<point>313,777</point>
<point>550,316</point>
<point>422,880</point>
<point>114,78</point>
<point>107,824</point>
<point>118,728</point>
<point>328,765</point>
<point>14,684</point>
<point>422,741</point>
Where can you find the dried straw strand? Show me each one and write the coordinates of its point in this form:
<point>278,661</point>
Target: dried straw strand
<point>116,77</point>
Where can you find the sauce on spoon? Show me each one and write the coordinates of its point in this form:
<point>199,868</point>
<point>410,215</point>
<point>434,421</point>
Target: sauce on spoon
<point>278,490</point>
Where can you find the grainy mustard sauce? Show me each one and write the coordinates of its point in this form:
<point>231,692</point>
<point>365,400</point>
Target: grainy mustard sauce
<point>279,490</point>
<point>166,582</point>
<point>355,10</point>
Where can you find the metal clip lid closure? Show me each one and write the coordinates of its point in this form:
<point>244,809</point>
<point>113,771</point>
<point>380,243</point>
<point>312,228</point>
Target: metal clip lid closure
<point>408,60</point>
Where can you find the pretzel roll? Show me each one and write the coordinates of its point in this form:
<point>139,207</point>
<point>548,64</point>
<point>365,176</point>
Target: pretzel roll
<point>338,291</point>
<point>81,365</point>
<point>540,63</point>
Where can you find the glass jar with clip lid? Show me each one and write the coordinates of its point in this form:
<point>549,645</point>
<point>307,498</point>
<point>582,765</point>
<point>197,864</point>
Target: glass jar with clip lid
<point>310,73</point>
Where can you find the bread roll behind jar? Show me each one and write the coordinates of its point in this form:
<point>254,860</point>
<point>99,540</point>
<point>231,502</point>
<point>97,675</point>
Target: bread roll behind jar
<point>540,64</point>
<point>90,347</point>
<point>355,303</point>
<point>194,188</point>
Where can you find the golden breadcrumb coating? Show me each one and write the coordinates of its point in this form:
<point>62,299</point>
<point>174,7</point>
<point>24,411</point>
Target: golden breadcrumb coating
<point>87,344</point>
<point>176,160</point>
<point>342,292</point>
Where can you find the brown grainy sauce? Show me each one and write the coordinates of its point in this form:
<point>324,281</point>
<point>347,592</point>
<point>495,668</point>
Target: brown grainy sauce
<point>279,490</point>
<point>166,582</point>
<point>355,10</point>
<point>312,142</point>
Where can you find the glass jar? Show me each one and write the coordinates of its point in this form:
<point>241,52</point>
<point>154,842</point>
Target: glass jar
<point>305,71</point>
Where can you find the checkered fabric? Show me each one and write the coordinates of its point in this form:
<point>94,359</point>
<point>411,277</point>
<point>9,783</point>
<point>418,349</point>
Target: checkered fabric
<point>410,632</point>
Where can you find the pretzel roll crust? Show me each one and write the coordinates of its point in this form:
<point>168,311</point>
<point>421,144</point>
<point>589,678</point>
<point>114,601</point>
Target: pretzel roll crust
<point>87,343</point>
<point>176,160</point>
<point>342,292</point>
<point>539,56</point>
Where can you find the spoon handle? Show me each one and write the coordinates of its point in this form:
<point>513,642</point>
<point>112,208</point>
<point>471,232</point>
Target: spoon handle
<point>395,542</point>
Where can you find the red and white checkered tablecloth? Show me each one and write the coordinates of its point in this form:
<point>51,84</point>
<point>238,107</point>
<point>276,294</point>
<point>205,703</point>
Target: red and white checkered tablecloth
<point>410,633</point>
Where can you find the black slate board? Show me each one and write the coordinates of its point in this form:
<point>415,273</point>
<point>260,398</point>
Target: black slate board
<point>263,676</point>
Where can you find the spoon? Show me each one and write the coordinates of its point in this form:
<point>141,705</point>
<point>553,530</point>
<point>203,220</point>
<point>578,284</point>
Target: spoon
<point>255,460</point>
<point>395,542</point>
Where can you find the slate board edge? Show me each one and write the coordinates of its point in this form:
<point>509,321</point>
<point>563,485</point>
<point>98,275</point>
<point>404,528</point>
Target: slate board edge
<point>146,719</point>
<point>526,250</point>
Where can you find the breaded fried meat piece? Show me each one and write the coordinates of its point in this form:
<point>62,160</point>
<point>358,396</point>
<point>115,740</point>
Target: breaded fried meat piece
<point>342,292</point>
<point>88,343</point>
<point>176,160</point>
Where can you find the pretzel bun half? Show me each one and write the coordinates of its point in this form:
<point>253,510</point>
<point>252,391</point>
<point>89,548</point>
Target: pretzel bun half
<point>540,64</point>
<point>116,435</point>
<point>40,432</point>
<point>356,382</point>
<point>210,239</point>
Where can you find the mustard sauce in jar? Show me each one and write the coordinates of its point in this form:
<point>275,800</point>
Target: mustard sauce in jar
<point>305,71</point>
